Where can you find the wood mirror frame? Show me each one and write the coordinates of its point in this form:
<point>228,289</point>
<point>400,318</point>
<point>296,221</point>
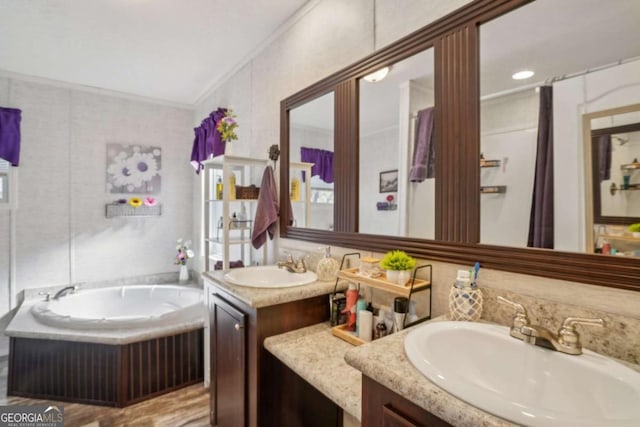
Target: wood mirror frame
<point>457,129</point>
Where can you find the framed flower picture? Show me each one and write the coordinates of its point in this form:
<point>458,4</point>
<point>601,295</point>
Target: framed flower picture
<point>133,169</point>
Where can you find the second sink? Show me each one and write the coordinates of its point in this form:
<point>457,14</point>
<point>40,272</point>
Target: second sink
<point>484,366</point>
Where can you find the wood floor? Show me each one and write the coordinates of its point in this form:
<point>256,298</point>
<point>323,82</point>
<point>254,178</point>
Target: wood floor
<point>186,407</point>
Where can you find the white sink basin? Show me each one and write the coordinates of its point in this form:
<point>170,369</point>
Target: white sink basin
<point>487,368</point>
<point>268,276</point>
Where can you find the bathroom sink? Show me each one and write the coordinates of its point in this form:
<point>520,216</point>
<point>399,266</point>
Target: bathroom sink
<point>268,276</point>
<point>529,385</point>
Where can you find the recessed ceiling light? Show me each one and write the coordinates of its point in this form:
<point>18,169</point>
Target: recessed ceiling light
<point>521,75</point>
<point>376,76</point>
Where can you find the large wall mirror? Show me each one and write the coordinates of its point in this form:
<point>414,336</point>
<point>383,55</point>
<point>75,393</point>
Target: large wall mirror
<point>512,186</point>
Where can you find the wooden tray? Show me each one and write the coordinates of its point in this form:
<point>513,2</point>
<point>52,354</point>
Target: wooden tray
<point>381,282</point>
<point>347,336</point>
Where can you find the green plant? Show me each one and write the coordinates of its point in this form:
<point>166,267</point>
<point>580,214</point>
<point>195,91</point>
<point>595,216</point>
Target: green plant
<point>397,260</point>
<point>635,228</point>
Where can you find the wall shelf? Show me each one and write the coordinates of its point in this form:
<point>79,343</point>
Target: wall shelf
<point>630,166</point>
<point>629,187</point>
<point>416,285</point>
<point>115,210</point>
<point>493,189</point>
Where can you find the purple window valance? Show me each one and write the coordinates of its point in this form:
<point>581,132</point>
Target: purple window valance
<point>322,162</point>
<point>10,135</point>
<point>207,142</point>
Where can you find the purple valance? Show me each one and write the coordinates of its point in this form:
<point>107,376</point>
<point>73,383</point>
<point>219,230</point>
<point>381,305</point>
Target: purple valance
<point>322,162</point>
<point>10,135</point>
<point>207,142</point>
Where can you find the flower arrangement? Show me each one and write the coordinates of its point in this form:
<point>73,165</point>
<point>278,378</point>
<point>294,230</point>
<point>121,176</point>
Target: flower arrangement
<point>135,202</point>
<point>226,126</point>
<point>397,261</point>
<point>184,252</point>
<point>150,201</point>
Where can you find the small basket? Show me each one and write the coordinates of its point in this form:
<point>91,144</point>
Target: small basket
<point>465,304</point>
<point>249,192</point>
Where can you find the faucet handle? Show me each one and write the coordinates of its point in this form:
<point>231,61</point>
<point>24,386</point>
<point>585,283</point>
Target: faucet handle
<point>289,256</point>
<point>46,295</point>
<point>569,337</point>
<point>520,319</point>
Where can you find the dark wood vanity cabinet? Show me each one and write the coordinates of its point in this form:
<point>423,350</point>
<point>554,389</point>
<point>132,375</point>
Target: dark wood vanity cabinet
<point>248,385</point>
<point>382,407</point>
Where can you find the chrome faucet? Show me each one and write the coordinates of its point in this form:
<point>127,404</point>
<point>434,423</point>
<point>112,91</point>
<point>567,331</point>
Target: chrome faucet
<point>64,291</point>
<point>567,340</point>
<point>293,266</point>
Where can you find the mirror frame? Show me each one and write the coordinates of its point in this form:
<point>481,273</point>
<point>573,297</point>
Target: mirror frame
<point>455,39</point>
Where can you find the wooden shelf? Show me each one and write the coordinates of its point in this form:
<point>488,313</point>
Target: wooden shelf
<point>493,189</point>
<point>630,166</point>
<point>352,274</point>
<point>348,336</point>
<point>625,237</point>
<point>489,163</point>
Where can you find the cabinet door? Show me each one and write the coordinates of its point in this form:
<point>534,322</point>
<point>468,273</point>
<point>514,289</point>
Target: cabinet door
<point>228,364</point>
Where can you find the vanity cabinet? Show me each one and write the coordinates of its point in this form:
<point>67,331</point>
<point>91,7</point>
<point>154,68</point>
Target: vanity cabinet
<point>249,386</point>
<point>382,407</point>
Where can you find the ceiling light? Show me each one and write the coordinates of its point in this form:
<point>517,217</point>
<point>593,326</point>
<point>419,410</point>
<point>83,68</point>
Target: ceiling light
<point>376,76</point>
<point>521,75</point>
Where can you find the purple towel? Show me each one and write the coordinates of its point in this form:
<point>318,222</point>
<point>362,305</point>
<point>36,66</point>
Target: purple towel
<point>423,164</point>
<point>266,211</point>
<point>207,142</point>
<point>10,135</point>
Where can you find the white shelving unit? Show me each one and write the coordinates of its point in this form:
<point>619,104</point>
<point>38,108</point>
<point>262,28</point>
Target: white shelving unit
<point>304,203</point>
<point>227,239</point>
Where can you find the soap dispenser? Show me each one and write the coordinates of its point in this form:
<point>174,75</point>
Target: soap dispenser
<point>327,267</point>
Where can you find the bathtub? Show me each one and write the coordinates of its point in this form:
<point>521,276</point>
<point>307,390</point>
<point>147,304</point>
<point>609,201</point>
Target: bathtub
<point>108,346</point>
<point>121,307</point>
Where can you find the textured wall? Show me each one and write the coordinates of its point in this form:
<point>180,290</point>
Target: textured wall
<point>62,233</point>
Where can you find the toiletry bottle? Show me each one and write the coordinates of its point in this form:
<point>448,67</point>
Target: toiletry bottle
<point>219,189</point>
<point>350,307</point>
<point>243,213</point>
<point>400,309</point>
<point>338,303</point>
<point>295,189</point>
<point>381,327</point>
<point>232,186</point>
<point>327,268</point>
<point>361,305</point>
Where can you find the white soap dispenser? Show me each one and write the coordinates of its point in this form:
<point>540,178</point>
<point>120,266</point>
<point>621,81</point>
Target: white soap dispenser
<point>327,267</point>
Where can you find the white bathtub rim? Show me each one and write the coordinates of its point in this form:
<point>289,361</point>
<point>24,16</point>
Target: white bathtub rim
<point>44,312</point>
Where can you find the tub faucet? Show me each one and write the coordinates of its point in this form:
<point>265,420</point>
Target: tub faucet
<point>64,291</point>
<point>293,266</point>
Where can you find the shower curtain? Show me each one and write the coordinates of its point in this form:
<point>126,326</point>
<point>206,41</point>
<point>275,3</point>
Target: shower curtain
<point>541,220</point>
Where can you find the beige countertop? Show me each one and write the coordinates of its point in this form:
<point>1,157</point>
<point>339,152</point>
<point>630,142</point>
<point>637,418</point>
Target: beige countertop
<point>263,297</point>
<point>318,357</point>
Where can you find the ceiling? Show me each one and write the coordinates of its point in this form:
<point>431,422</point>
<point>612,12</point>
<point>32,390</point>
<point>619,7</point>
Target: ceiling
<point>163,49</point>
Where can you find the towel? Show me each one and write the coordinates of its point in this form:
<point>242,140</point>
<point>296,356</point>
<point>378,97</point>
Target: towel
<point>10,135</point>
<point>267,210</point>
<point>604,157</point>
<point>423,164</point>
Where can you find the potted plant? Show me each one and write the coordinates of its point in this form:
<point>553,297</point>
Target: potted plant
<point>635,229</point>
<point>398,265</point>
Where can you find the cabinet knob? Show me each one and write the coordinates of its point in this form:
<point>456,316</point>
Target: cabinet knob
<point>238,326</point>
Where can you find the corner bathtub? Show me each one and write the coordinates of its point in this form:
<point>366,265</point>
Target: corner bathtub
<point>108,346</point>
<point>120,307</point>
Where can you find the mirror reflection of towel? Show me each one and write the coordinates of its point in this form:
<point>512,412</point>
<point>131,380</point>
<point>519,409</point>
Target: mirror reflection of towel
<point>604,157</point>
<point>423,164</point>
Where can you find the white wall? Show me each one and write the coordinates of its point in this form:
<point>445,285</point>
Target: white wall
<point>62,234</point>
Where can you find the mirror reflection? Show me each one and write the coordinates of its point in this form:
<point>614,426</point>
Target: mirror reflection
<point>541,70</point>
<point>311,136</point>
<point>396,181</point>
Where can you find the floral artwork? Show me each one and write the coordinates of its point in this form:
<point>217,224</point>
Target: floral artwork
<point>133,169</point>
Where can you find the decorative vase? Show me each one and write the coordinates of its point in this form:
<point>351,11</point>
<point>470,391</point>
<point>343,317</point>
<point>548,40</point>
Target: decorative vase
<point>403,277</point>
<point>392,276</point>
<point>183,277</point>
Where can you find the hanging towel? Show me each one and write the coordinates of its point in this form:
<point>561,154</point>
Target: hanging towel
<point>266,211</point>
<point>10,135</point>
<point>604,157</point>
<point>423,164</point>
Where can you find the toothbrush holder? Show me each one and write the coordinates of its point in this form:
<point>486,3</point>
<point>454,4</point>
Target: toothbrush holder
<point>465,303</point>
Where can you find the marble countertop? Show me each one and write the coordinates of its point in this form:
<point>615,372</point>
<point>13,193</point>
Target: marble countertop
<point>262,297</point>
<point>318,357</point>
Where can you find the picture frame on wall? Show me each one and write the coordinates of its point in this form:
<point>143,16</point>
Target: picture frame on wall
<point>389,181</point>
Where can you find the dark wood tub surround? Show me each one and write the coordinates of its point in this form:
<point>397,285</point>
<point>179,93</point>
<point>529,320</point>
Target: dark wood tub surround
<point>104,374</point>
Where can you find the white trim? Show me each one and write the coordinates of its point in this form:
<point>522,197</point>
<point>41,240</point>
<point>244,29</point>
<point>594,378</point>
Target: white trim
<point>286,26</point>
<point>95,90</point>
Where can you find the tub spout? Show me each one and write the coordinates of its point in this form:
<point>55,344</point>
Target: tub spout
<point>64,291</point>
